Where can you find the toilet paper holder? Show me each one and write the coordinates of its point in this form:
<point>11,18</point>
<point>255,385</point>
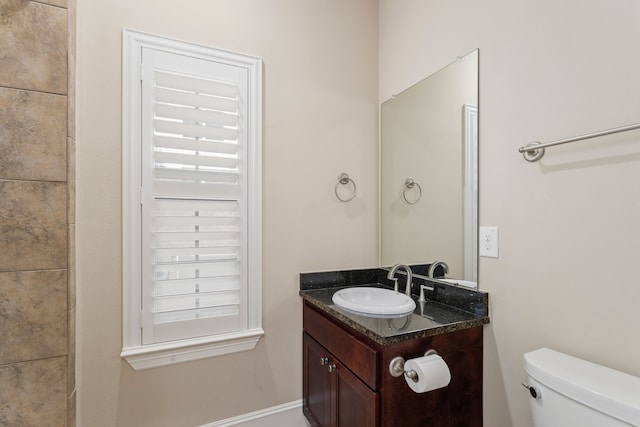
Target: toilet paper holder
<point>396,367</point>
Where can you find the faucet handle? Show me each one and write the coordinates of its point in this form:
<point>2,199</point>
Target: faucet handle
<point>422,288</point>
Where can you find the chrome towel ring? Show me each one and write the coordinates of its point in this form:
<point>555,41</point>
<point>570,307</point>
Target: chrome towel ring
<point>345,180</point>
<point>410,184</point>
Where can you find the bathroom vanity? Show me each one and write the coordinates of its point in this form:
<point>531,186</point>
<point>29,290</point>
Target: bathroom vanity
<point>346,357</point>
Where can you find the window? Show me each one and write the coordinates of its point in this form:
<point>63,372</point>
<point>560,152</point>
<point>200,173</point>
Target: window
<point>191,201</point>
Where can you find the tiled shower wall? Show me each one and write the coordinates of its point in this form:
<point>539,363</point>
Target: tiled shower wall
<point>37,222</point>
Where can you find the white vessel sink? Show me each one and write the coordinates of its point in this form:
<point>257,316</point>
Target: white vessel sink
<point>374,302</point>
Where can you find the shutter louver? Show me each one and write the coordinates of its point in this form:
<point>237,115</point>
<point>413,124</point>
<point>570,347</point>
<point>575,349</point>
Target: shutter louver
<point>197,247</point>
<point>197,199</point>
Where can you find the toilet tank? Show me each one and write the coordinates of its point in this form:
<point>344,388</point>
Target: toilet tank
<point>574,392</point>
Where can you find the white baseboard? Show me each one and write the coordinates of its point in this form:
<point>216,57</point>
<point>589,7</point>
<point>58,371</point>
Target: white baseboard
<point>285,415</point>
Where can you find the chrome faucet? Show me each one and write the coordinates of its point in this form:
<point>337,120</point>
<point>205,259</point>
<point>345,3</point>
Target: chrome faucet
<point>406,268</point>
<point>432,268</point>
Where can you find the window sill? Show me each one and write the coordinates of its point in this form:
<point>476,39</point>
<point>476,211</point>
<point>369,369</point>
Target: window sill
<point>170,353</point>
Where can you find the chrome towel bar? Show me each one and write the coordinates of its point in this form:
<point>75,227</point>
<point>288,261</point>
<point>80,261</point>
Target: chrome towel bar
<point>534,151</point>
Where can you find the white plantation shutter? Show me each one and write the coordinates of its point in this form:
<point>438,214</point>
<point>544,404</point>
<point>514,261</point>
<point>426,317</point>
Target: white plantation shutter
<point>198,200</point>
<point>194,193</point>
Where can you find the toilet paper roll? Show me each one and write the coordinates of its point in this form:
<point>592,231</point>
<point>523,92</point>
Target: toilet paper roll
<point>433,373</point>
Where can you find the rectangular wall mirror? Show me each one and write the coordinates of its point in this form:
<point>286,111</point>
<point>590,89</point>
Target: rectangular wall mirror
<point>429,172</point>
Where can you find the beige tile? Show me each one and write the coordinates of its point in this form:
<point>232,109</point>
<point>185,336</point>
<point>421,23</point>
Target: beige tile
<point>71,180</point>
<point>33,225</point>
<point>71,351</point>
<point>71,79</point>
<point>34,393</point>
<point>71,410</point>
<point>59,3</point>
<point>71,98</point>
<point>71,291</point>
<point>33,315</point>
<point>34,46</point>
<point>33,141</point>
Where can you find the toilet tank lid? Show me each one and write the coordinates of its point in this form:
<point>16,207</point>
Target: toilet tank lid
<point>609,391</point>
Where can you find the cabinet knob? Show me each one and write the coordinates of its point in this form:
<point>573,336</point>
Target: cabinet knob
<point>332,367</point>
<point>324,360</point>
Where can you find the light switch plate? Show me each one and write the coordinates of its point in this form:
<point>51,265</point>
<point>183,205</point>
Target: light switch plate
<point>489,242</point>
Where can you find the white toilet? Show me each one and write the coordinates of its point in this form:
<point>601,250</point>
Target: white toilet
<point>571,392</point>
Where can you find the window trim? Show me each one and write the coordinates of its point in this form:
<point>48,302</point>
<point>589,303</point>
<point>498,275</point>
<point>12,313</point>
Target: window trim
<point>142,356</point>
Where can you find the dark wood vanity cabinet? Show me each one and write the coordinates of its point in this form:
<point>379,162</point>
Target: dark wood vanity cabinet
<point>346,380</point>
<point>333,395</point>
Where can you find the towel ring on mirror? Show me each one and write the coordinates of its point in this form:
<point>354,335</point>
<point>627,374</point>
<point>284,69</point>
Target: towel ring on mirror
<point>409,184</point>
<point>345,180</point>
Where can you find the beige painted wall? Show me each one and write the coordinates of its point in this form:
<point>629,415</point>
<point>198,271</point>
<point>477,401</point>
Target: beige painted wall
<point>320,119</point>
<point>566,276</point>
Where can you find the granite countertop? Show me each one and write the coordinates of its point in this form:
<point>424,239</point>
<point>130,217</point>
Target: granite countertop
<point>448,308</point>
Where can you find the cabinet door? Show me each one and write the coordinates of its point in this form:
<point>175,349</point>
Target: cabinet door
<point>357,404</point>
<point>318,384</point>
<point>332,395</point>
